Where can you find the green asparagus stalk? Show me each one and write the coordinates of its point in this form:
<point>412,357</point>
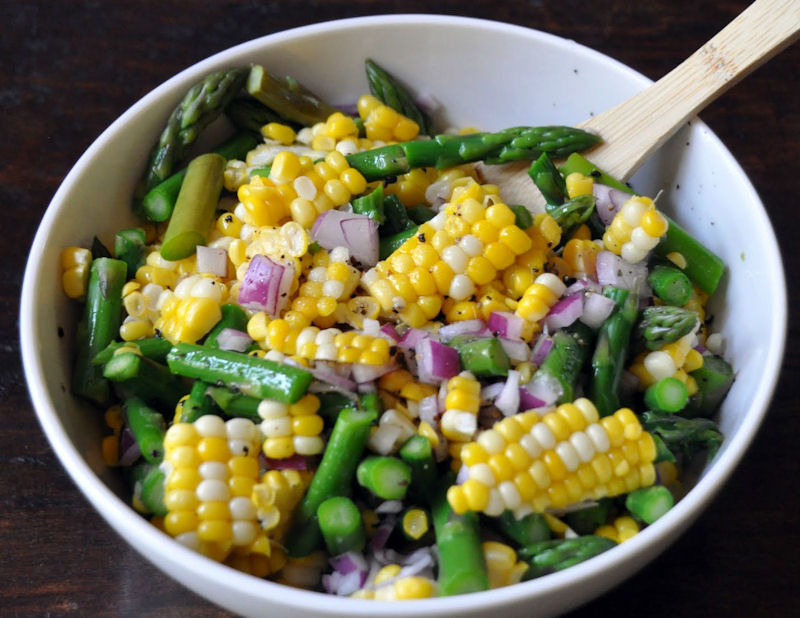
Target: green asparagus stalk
<point>589,519</point>
<point>389,244</point>
<point>664,324</point>
<point>98,328</point>
<point>197,404</point>
<point>371,205</point>
<point>148,428</point>
<point>145,378</point>
<point>529,529</point>
<point>483,357</point>
<point>714,380</point>
<point>195,207</point>
<point>204,102</point>
<point>523,218</point>
<point>341,525</point>
<point>548,180</point>
<point>154,348</point>
<point>667,395</point>
<point>396,217</point>
<point>563,363</point>
<point>444,151</point>
<point>420,213</point>
<point>685,436</point>
<point>649,503</point>
<point>386,477</point>
<point>334,476</point>
<point>129,246</point>
<point>390,92</point>
<point>613,342</point>
<point>234,404</point>
<point>417,452</point>
<point>287,97</point>
<point>250,375</point>
<point>462,567</point>
<point>572,213</point>
<point>233,316</point>
<point>148,483</point>
<point>671,285</point>
<point>159,203</point>
<point>559,554</point>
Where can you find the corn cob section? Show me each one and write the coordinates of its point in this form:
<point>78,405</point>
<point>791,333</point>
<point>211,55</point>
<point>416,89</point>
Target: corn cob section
<point>530,463</point>
<point>211,467</point>
<point>290,429</point>
<point>459,421</point>
<point>635,229</point>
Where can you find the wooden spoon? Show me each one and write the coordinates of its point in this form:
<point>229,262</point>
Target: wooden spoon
<point>636,128</point>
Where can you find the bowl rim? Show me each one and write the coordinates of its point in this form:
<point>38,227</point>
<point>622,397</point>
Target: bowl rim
<point>123,519</point>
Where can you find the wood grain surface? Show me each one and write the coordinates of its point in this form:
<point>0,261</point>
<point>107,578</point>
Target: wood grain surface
<point>69,68</point>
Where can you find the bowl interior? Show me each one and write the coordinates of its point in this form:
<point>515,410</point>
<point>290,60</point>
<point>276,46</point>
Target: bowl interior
<point>483,74</point>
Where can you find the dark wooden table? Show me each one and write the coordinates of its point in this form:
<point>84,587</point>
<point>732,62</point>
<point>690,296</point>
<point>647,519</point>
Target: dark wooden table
<point>69,68</point>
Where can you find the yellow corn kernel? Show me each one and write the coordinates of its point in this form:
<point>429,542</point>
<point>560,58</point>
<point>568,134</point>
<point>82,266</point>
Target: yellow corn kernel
<point>414,587</point>
<point>279,132</point>
<point>579,184</point>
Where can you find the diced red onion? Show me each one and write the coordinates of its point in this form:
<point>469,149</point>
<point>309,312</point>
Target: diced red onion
<point>463,474</point>
<point>565,312</point>
<point>613,270</point>
<point>596,309</point>
<point>359,233</point>
<point>295,462</point>
<point>212,260</point>
<point>266,285</point>
<point>416,562</point>
<point>367,373</point>
<point>388,331</point>
<point>429,409</point>
<point>516,349</point>
<point>464,327</point>
<point>609,201</point>
<point>234,340</point>
<point>412,337</point>
<point>343,584</point>
<point>582,285</point>
<point>528,401</point>
<point>129,450</point>
<point>382,534</point>
<point>508,399</point>
<point>325,373</point>
<point>545,388</point>
<point>506,324</point>
<point>370,327</point>
<point>436,361</point>
<point>541,349</point>
<point>348,562</point>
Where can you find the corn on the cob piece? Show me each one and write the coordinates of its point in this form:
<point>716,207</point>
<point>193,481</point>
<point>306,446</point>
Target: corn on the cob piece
<point>290,429</point>
<point>276,496</point>
<point>530,463</point>
<point>211,467</point>
<point>75,264</point>
<point>635,229</point>
<point>187,319</point>
<point>502,565</point>
<point>538,299</point>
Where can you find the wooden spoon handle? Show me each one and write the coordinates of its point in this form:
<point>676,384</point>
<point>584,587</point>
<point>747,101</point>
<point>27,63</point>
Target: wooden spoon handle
<point>636,128</point>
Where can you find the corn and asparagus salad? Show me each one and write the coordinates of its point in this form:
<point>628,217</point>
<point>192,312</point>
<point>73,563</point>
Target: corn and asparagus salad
<point>331,355</point>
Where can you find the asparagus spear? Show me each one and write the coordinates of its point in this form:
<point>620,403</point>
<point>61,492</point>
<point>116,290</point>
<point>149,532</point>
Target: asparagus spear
<point>671,285</point>
<point>199,107</point>
<point>194,208</point>
<point>444,151</point>
<point>287,97</point>
<point>714,379</point>
<point>462,567</point>
<point>558,554</point>
<point>98,328</point>
<point>529,529</point>
<point>386,88</point>
<point>129,246</point>
<point>572,213</point>
<point>484,357</point>
<point>649,503</point>
<point>148,482</point>
<point>148,428</point>
<point>197,404</point>
<point>251,115</point>
<point>154,348</point>
<point>664,324</point>
<point>548,180</point>
<point>666,395</point>
<point>341,525</point>
<point>386,477</point>
<point>145,378</point>
<point>234,404</point>
<point>159,202</point>
<point>233,316</point>
<point>252,376</point>
<point>334,476</point>
<point>684,435</point>
<point>417,452</point>
<point>563,363</point>
<point>608,360</point>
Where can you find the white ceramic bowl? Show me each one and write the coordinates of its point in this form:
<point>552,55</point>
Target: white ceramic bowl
<point>485,74</point>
